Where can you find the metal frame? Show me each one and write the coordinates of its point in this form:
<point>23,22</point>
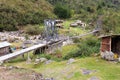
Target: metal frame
<point>51,32</point>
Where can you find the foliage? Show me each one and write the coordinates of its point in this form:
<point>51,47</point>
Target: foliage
<point>54,57</point>
<point>89,46</point>
<point>76,40</point>
<point>111,23</point>
<point>47,56</point>
<point>33,30</point>
<point>90,10</point>
<point>62,11</point>
<point>86,47</point>
<point>72,54</point>
<point>22,12</point>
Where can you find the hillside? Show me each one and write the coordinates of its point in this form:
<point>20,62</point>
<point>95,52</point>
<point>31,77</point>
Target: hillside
<point>90,11</point>
<point>15,13</point>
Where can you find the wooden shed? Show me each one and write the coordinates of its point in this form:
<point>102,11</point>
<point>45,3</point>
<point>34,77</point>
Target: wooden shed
<point>110,43</point>
<point>4,48</point>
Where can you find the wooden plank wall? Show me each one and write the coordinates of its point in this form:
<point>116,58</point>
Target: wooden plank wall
<point>105,44</point>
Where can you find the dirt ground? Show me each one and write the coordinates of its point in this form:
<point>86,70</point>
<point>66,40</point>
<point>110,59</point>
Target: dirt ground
<point>18,74</point>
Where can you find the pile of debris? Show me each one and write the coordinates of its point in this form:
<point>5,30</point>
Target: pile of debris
<point>13,36</point>
<point>78,23</point>
<point>59,23</point>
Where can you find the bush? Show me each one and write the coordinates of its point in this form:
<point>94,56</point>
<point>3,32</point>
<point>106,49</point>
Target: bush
<point>86,47</point>
<point>49,56</point>
<point>89,46</point>
<point>44,55</point>
<point>76,40</point>
<point>72,54</point>
<point>33,30</point>
<point>62,11</point>
<point>20,14</point>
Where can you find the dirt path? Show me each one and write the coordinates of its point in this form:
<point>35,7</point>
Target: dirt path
<point>18,74</point>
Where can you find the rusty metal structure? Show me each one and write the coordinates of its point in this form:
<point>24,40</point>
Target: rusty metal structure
<point>110,43</point>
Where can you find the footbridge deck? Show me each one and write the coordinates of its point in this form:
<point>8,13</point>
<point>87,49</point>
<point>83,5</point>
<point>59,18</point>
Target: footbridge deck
<point>21,52</point>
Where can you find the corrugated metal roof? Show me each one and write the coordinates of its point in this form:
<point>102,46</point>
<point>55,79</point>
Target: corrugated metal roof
<point>4,44</point>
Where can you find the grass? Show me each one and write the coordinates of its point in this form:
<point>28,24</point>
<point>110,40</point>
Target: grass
<point>60,70</point>
<point>105,70</point>
<point>71,30</point>
<point>66,49</point>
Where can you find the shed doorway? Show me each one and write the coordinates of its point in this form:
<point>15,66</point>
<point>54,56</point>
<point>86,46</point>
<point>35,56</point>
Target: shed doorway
<point>115,45</point>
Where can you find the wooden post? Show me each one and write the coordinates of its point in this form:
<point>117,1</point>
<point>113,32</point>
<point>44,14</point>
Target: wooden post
<point>40,50</point>
<point>28,58</point>
<point>110,43</point>
<point>23,56</point>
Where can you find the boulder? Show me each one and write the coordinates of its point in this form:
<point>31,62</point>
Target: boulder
<point>79,22</point>
<point>107,55</point>
<point>73,25</point>
<point>119,59</point>
<point>1,63</point>
<point>48,61</point>
<point>94,78</point>
<point>38,60</point>
<point>43,59</point>
<point>71,60</point>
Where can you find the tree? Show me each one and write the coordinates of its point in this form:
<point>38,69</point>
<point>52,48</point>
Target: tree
<point>62,11</point>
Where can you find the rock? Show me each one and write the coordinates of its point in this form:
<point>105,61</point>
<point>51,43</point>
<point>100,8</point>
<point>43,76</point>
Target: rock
<point>71,60</point>
<point>79,22</point>
<point>12,67</point>
<point>67,42</point>
<point>28,42</point>
<point>24,46</point>
<point>119,59</point>
<point>70,75</point>
<point>107,55</point>
<point>43,59</point>
<point>73,25</point>
<point>48,61</point>
<point>38,60</point>
<point>94,78</point>
<point>49,79</point>
<point>1,63</point>
<point>38,76</point>
<point>87,72</point>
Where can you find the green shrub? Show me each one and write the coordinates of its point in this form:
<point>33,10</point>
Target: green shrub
<point>76,40</point>
<point>33,30</point>
<point>62,11</point>
<point>47,56</point>
<point>72,54</point>
<point>86,47</point>
<point>22,13</point>
<point>89,46</point>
